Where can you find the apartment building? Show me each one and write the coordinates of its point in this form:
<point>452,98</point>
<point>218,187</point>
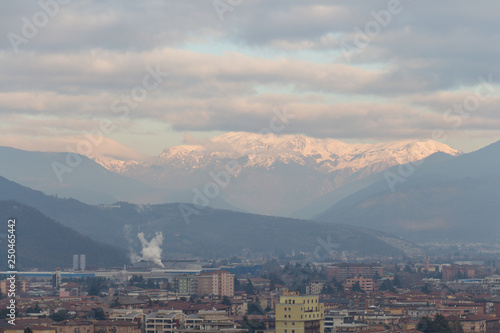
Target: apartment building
<point>219,283</point>
<point>344,271</point>
<point>299,314</point>
<point>164,321</point>
<point>365,284</point>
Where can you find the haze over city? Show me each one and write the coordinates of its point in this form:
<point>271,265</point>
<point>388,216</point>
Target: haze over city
<point>249,166</point>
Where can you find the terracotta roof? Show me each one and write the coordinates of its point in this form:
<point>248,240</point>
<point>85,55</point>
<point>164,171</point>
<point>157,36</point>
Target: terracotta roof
<point>478,317</point>
<point>33,327</point>
<point>115,323</point>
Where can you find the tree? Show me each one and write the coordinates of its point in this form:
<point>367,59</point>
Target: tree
<point>338,285</point>
<point>272,285</point>
<point>36,309</point>
<point>115,303</point>
<point>226,301</point>
<point>455,326</point>
<point>150,284</point>
<point>437,325</point>
<point>387,285</point>
<point>254,308</point>
<point>237,285</point>
<point>275,279</point>
<point>425,325</point>
<point>99,314</point>
<point>59,315</point>
<point>440,324</point>
<point>327,289</point>
<point>138,281</point>
<point>427,288</point>
<point>249,289</point>
<point>252,325</point>
<point>397,282</point>
<point>357,288</point>
<point>95,285</point>
<point>460,276</point>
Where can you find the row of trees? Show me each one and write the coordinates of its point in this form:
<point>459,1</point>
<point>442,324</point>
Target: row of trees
<point>439,324</point>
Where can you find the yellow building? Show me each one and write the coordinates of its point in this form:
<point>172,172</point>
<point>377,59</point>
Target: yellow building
<point>299,314</point>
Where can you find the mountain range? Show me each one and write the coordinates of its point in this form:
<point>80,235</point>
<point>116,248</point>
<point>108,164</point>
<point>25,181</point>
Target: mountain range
<point>267,174</point>
<point>46,244</point>
<point>211,233</point>
<point>420,190</point>
<point>86,180</point>
<point>441,199</point>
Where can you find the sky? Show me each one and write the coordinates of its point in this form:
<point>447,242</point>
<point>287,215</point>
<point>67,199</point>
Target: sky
<point>130,78</point>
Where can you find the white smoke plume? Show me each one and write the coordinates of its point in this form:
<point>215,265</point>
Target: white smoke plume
<point>151,251</point>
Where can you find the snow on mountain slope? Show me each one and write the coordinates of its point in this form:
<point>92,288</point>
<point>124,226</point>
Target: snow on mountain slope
<point>326,155</point>
<point>277,173</point>
<point>114,165</point>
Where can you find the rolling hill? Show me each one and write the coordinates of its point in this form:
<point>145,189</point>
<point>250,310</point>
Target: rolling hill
<point>210,232</point>
<point>452,199</point>
<point>46,244</point>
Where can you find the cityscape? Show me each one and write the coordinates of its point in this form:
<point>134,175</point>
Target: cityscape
<point>346,294</point>
<point>249,166</point>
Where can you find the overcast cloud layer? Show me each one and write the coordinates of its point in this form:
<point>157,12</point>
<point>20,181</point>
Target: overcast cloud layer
<point>358,70</point>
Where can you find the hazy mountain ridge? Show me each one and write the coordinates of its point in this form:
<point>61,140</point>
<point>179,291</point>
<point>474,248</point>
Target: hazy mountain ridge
<point>453,199</point>
<point>276,174</point>
<point>44,243</point>
<point>86,181</point>
<point>212,232</point>
<point>325,155</point>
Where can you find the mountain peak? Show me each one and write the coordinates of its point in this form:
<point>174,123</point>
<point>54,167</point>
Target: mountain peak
<point>266,150</point>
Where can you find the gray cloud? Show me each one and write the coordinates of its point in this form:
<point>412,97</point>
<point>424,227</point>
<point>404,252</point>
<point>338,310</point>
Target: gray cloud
<point>428,57</point>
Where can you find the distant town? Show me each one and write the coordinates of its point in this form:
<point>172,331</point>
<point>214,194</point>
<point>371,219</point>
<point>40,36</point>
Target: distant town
<point>287,294</point>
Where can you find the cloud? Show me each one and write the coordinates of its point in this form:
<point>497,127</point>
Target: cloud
<point>228,75</point>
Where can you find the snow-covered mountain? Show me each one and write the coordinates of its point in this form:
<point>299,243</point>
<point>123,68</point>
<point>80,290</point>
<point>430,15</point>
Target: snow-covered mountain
<point>326,155</point>
<point>270,174</point>
<point>265,151</point>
